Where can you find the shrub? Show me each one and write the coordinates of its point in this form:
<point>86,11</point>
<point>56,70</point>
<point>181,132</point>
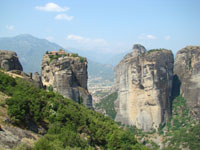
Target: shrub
<point>74,55</point>
<point>154,50</point>
<point>50,88</point>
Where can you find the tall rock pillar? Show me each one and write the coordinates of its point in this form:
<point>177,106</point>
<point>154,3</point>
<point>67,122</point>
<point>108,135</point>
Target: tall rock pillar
<point>144,81</point>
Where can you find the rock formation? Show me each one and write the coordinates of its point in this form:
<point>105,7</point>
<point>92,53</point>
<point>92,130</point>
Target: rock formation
<point>187,70</point>
<point>9,61</point>
<point>67,74</point>
<point>144,81</point>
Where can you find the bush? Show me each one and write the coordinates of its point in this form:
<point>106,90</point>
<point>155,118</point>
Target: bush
<point>6,83</point>
<point>154,50</point>
<point>74,55</point>
<point>50,88</point>
<point>82,59</point>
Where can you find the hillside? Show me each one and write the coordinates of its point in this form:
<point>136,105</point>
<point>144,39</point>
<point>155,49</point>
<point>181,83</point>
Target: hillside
<point>64,124</point>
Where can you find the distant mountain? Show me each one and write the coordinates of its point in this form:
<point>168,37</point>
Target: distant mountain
<point>29,50</point>
<point>105,71</point>
<point>96,56</point>
<point>114,60</point>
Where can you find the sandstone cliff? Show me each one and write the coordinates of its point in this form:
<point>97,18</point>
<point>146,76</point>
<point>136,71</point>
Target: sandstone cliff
<point>144,81</point>
<point>187,70</point>
<point>67,74</point>
<point>9,61</point>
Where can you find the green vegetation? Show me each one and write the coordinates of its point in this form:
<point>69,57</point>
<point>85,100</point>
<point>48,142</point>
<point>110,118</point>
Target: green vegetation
<point>190,64</point>
<point>154,50</point>
<point>50,88</point>
<point>183,130</point>
<point>82,59</point>
<point>80,100</point>
<point>54,57</point>
<point>107,103</point>
<point>74,55</point>
<point>69,125</point>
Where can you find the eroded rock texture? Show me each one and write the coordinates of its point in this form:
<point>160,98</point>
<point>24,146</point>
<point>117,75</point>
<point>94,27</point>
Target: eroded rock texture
<point>187,70</point>
<point>144,81</point>
<point>9,61</point>
<point>68,76</point>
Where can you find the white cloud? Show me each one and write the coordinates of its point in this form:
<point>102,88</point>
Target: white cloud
<point>52,7</point>
<point>89,44</point>
<point>64,17</point>
<point>147,37</point>
<point>75,37</point>
<point>167,38</point>
<point>10,27</point>
<point>85,40</point>
<point>50,38</point>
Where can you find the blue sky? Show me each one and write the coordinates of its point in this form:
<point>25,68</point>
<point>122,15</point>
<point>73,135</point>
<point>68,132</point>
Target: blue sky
<point>104,26</point>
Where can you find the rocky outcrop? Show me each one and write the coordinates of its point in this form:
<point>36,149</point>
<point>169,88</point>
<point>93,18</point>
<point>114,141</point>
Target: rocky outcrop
<point>9,61</point>
<point>144,81</point>
<point>12,137</point>
<point>35,78</point>
<point>187,71</point>
<point>68,76</point>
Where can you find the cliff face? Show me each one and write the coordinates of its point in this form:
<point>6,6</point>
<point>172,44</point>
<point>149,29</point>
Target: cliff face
<point>9,61</point>
<point>68,76</point>
<point>187,70</point>
<point>145,81</point>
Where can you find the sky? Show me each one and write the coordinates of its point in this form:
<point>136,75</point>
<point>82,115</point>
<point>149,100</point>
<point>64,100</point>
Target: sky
<point>104,26</point>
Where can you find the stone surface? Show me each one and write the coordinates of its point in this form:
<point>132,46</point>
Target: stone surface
<point>12,136</point>
<point>144,82</point>
<point>187,69</point>
<point>37,80</point>
<point>68,76</point>
<point>9,61</point>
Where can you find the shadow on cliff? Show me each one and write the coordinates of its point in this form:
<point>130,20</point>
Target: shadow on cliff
<point>176,85</point>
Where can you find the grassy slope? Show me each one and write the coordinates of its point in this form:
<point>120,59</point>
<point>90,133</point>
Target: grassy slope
<point>69,125</point>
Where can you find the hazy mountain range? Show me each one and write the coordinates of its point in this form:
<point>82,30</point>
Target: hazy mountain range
<point>30,51</point>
